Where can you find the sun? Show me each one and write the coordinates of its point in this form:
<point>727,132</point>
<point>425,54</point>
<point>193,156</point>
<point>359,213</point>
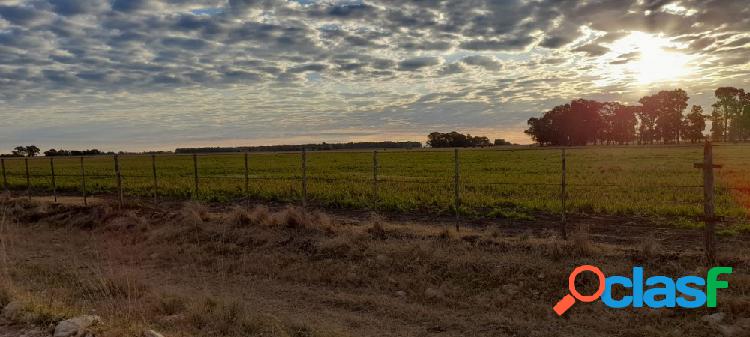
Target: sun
<point>658,65</point>
<point>651,59</point>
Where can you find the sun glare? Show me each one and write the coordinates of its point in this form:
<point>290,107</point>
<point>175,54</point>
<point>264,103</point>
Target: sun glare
<point>649,59</point>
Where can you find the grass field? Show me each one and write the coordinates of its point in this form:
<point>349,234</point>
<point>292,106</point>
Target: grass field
<point>653,181</point>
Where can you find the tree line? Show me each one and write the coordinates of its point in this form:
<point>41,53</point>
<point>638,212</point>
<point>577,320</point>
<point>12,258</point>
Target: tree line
<point>660,118</point>
<point>33,151</point>
<point>455,139</point>
<point>311,147</point>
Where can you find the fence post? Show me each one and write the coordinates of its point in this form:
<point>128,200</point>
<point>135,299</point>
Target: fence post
<point>5,177</point>
<point>456,188</point>
<point>83,182</point>
<point>54,182</point>
<point>708,202</point>
<point>375,178</point>
<point>195,174</point>
<point>28,179</point>
<point>563,197</point>
<point>118,176</point>
<point>247,180</point>
<point>156,182</point>
<point>304,177</point>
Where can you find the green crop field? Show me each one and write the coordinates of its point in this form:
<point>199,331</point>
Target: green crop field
<point>652,181</point>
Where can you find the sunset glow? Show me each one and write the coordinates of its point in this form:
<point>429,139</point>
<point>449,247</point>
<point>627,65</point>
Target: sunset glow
<point>645,59</point>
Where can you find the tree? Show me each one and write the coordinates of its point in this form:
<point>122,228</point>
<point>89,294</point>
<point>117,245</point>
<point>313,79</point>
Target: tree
<point>32,150</point>
<point>728,104</point>
<point>26,151</point>
<point>455,139</point>
<point>694,124</point>
<point>19,151</point>
<point>717,124</point>
<point>585,121</point>
<point>743,115</point>
<point>661,116</point>
<point>618,123</point>
<point>647,115</point>
<point>576,123</point>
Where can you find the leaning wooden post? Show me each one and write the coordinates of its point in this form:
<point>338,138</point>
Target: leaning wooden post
<point>118,177</point>
<point>83,182</point>
<point>28,179</point>
<point>195,175</point>
<point>5,177</point>
<point>54,182</point>
<point>304,177</point>
<point>247,179</point>
<point>563,197</point>
<point>375,178</point>
<point>156,181</point>
<point>708,202</point>
<point>456,188</point>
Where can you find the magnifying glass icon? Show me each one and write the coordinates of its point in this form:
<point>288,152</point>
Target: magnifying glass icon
<point>568,300</point>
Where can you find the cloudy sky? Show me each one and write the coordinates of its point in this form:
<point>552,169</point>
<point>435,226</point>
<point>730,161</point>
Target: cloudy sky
<point>139,74</point>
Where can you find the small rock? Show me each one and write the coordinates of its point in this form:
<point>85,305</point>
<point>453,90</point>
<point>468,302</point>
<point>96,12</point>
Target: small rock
<point>13,310</point>
<point>713,318</point>
<point>401,293</point>
<point>152,333</point>
<point>77,326</point>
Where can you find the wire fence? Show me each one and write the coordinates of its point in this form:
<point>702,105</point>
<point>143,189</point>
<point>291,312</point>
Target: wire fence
<point>511,183</point>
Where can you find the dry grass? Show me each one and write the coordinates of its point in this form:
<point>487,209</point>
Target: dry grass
<point>582,244</point>
<point>291,272</point>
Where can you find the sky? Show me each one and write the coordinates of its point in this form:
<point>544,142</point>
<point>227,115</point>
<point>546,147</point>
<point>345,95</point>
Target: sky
<point>154,75</point>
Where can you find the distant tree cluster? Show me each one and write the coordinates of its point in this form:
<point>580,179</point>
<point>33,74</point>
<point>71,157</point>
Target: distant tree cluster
<point>455,139</point>
<point>24,151</point>
<point>659,118</point>
<point>501,142</point>
<point>311,147</point>
<point>77,153</point>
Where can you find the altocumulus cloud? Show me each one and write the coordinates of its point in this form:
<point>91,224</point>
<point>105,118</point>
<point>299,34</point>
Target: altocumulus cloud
<point>174,72</point>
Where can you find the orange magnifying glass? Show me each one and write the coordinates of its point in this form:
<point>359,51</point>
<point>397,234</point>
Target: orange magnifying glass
<point>568,300</point>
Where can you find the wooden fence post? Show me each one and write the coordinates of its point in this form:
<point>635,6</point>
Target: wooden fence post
<point>304,177</point>
<point>54,182</point>
<point>195,174</point>
<point>708,203</point>
<point>5,177</point>
<point>156,182</point>
<point>83,183</point>
<point>563,197</point>
<point>375,178</point>
<point>456,188</point>
<point>118,177</point>
<point>247,180</point>
<point>28,179</point>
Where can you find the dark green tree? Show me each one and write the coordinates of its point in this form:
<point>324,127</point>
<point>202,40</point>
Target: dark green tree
<point>694,124</point>
<point>728,104</point>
